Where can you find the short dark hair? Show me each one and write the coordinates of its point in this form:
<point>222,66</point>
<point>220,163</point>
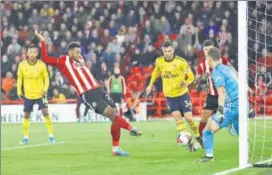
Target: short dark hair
<point>215,54</point>
<point>32,46</point>
<point>208,42</point>
<point>73,45</point>
<point>167,44</point>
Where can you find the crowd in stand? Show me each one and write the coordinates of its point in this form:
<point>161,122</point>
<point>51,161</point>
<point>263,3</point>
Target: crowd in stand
<point>108,30</point>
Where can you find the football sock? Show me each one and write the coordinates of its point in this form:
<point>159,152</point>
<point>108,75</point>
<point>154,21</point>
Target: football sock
<point>49,125</point>
<point>201,126</point>
<point>208,142</point>
<point>122,123</point>
<point>115,134</point>
<point>26,124</point>
<point>180,126</point>
<point>194,127</point>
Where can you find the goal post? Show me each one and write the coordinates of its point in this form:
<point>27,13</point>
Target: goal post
<point>243,85</point>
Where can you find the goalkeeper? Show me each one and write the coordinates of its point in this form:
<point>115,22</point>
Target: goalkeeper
<point>33,79</point>
<point>226,83</point>
<point>176,77</point>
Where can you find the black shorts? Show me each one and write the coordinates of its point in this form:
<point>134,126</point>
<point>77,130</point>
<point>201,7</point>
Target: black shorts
<point>97,99</point>
<point>211,103</point>
<point>117,97</point>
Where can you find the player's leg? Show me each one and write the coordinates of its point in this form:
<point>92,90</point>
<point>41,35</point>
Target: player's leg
<point>204,119</point>
<point>78,104</point>
<point>43,105</point>
<point>186,107</point>
<point>173,104</point>
<point>28,108</point>
<point>214,124</point>
<point>210,107</point>
<point>101,102</point>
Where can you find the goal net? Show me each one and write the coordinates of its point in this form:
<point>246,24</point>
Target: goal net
<point>259,45</point>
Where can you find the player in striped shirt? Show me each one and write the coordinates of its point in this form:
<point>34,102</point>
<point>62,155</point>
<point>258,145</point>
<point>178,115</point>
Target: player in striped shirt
<point>204,70</point>
<point>72,66</point>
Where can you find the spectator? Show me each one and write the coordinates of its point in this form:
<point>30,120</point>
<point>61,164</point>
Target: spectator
<point>112,29</point>
<point>114,46</point>
<point>8,82</point>
<point>135,57</point>
<point>58,97</point>
<point>106,38</point>
<point>149,57</point>
<point>149,30</point>
<point>210,27</point>
<point>109,57</point>
<point>165,25</point>
<point>186,35</point>
<point>5,65</point>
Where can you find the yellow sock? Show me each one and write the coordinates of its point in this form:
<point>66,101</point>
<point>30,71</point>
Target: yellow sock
<point>180,126</point>
<point>26,124</point>
<point>49,125</point>
<point>193,125</point>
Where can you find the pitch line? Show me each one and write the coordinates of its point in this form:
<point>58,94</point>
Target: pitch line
<point>31,146</point>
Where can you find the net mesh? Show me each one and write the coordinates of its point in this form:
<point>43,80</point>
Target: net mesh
<point>259,18</point>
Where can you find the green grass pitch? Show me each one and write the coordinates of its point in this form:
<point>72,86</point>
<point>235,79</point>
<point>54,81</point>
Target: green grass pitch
<point>86,150</point>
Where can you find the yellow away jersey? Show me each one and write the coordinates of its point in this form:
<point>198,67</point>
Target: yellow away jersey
<point>173,73</point>
<point>34,78</point>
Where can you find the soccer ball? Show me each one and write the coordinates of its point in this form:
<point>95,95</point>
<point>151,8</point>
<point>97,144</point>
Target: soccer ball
<point>183,138</point>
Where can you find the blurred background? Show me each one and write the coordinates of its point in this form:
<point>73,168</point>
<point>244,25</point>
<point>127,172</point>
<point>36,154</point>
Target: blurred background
<point>129,36</point>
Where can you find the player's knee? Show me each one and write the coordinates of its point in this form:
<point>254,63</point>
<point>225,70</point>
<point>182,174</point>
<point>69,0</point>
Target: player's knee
<point>176,115</point>
<point>110,112</point>
<point>188,116</point>
<point>205,116</point>
<point>45,112</point>
<point>27,115</point>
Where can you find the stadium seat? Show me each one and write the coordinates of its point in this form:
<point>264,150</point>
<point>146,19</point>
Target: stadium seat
<point>268,110</point>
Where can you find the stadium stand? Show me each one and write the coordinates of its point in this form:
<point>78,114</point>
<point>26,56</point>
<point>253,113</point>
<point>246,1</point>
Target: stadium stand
<point>116,34</point>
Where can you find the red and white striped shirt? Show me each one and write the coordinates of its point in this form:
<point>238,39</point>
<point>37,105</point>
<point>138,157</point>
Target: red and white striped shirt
<point>78,75</point>
<point>203,68</point>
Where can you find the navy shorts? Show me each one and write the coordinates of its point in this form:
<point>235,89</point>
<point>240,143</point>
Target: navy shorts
<point>181,103</point>
<point>29,103</point>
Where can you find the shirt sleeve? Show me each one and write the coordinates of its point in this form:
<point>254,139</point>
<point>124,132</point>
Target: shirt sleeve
<point>189,75</point>
<point>218,79</point>
<point>199,70</point>
<point>155,73</point>
<point>45,77</point>
<point>46,58</point>
<point>19,80</point>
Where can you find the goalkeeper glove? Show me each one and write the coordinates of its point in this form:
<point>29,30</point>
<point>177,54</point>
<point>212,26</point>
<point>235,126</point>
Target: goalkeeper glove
<point>219,116</point>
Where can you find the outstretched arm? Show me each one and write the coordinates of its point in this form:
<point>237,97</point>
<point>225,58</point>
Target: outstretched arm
<point>45,57</point>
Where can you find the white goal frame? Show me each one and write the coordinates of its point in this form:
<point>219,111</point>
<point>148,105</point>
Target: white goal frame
<point>243,91</point>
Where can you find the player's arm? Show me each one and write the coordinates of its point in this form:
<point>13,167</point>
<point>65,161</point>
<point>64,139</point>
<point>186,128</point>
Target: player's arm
<point>19,81</point>
<point>46,80</point>
<point>154,76</point>
<point>199,75</point>
<point>45,57</point>
<point>219,82</point>
<point>189,75</point>
<point>124,85</point>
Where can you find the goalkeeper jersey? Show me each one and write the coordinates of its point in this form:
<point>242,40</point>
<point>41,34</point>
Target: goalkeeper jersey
<point>223,76</point>
<point>33,78</point>
<point>173,73</point>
